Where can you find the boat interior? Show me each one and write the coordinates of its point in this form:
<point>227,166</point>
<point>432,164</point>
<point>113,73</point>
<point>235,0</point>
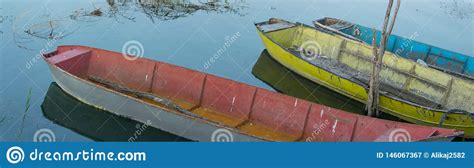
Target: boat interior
<point>400,78</point>
<point>335,24</point>
<point>237,106</point>
<point>444,60</point>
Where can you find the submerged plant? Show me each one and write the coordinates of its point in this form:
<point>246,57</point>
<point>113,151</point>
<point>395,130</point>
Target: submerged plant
<point>462,9</point>
<point>27,108</point>
<point>173,9</point>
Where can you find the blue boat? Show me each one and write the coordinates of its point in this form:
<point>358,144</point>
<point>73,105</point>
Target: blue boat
<point>441,59</point>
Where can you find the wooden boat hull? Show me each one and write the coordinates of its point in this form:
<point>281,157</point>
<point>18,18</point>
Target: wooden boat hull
<point>290,83</point>
<point>400,108</point>
<point>98,125</point>
<point>212,104</point>
<point>409,48</point>
<point>137,110</point>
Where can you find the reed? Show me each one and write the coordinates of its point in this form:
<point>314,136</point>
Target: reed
<point>27,108</point>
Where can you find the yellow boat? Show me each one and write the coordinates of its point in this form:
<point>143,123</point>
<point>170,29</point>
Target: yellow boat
<point>409,90</point>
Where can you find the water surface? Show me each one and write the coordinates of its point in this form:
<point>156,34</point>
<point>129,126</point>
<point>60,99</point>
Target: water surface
<point>186,33</point>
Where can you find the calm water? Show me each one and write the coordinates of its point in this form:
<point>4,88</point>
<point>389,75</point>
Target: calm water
<point>186,33</point>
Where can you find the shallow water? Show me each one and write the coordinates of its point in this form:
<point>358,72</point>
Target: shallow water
<point>186,33</point>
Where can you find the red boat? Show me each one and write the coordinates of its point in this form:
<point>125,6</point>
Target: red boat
<point>204,107</point>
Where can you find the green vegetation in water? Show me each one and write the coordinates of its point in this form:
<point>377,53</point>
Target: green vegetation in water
<point>172,9</point>
<point>27,108</point>
<point>1,21</point>
<point>96,12</point>
<point>461,9</point>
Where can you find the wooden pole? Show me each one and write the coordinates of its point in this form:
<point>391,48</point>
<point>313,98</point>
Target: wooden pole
<point>378,52</point>
<point>162,101</point>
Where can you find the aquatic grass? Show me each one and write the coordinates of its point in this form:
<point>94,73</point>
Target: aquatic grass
<point>27,108</point>
<point>2,110</point>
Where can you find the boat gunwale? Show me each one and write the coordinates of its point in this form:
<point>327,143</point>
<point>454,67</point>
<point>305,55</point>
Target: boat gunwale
<point>354,81</point>
<point>471,78</point>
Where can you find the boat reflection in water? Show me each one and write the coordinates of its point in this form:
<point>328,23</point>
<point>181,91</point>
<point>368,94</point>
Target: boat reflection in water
<point>97,124</point>
<point>286,81</point>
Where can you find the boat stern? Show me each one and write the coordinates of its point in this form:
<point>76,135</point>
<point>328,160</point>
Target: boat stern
<point>273,24</point>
